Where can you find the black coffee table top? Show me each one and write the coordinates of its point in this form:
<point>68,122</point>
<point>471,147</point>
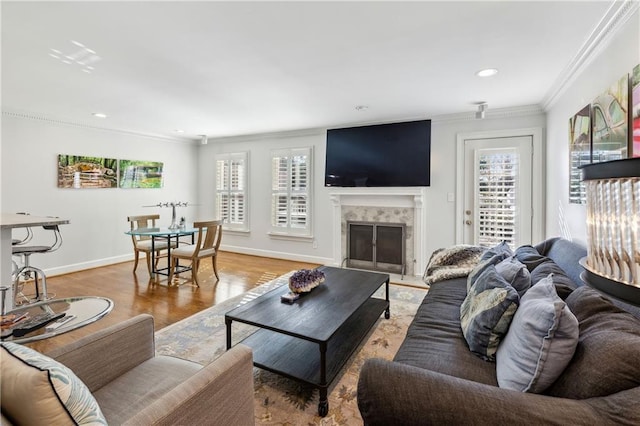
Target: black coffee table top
<point>317,315</point>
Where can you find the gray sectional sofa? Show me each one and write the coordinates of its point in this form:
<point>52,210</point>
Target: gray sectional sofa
<point>435,378</point>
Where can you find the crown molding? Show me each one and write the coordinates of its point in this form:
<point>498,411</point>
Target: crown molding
<point>61,122</point>
<point>616,17</point>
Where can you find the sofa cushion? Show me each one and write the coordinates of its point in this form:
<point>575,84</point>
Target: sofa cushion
<point>136,389</point>
<point>540,342</point>
<point>515,273</point>
<point>39,390</point>
<point>486,312</point>
<point>606,358</point>
<point>435,330</point>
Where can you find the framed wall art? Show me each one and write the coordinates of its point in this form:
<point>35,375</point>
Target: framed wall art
<point>635,112</point>
<point>140,174</point>
<point>579,153</point>
<point>609,117</point>
<point>81,172</point>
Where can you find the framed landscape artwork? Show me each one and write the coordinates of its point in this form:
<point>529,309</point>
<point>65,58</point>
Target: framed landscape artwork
<point>140,174</point>
<point>80,172</point>
<point>635,112</point>
<point>609,112</point>
<point>579,153</point>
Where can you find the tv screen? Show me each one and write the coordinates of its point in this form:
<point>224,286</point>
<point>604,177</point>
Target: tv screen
<point>383,155</point>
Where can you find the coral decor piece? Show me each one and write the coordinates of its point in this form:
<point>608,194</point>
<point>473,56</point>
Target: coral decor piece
<point>305,280</point>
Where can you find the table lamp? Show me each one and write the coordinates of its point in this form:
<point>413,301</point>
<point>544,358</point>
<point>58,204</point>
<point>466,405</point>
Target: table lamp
<point>612,265</point>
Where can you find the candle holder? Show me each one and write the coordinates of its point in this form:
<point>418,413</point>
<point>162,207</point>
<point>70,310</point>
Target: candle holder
<point>612,264</point>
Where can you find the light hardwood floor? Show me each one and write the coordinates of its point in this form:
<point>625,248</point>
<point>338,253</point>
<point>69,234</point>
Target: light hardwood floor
<point>134,293</point>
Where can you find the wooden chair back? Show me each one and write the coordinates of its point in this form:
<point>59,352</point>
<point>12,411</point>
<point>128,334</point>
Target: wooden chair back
<point>209,236</point>
<point>142,221</point>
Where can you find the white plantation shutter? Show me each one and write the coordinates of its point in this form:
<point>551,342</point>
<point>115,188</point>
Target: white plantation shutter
<point>290,186</point>
<point>231,190</point>
<point>496,197</point>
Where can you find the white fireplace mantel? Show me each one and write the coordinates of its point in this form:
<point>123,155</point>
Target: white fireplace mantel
<point>409,197</point>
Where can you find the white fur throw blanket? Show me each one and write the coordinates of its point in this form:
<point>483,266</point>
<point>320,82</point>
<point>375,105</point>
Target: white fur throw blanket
<point>452,262</point>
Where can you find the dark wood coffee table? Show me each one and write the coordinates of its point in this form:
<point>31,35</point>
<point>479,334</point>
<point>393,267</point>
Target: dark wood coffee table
<point>311,339</point>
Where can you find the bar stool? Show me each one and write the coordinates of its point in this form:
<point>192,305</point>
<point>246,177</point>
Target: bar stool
<point>26,269</point>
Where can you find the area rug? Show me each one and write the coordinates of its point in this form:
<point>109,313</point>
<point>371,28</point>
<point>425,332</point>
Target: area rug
<point>281,401</point>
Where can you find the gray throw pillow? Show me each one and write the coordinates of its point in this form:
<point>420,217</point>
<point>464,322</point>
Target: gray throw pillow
<point>503,250</point>
<point>606,358</point>
<point>515,273</point>
<point>480,268</point>
<point>564,284</point>
<point>540,342</point>
<point>530,257</point>
<point>486,312</point>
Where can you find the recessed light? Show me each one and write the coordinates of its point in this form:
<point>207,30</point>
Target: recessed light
<point>99,115</point>
<point>487,72</point>
<point>361,108</point>
<point>179,131</point>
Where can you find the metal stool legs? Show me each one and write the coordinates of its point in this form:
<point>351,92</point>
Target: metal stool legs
<point>27,270</point>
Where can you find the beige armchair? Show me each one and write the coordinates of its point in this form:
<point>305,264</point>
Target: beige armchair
<point>133,386</point>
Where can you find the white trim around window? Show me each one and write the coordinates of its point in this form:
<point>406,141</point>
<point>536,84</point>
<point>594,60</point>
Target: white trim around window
<point>232,195</point>
<point>291,183</point>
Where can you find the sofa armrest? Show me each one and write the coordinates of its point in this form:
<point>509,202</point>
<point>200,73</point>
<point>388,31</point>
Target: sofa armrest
<point>220,393</point>
<point>100,357</point>
<point>394,393</point>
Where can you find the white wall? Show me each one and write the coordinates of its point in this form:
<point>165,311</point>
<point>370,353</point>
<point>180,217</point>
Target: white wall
<point>440,214</point>
<point>98,217</point>
<point>616,58</point>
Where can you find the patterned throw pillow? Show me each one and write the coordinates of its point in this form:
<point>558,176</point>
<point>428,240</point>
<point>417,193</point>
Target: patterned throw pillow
<point>540,342</point>
<point>486,313</point>
<point>515,273</point>
<point>480,268</point>
<point>37,390</point>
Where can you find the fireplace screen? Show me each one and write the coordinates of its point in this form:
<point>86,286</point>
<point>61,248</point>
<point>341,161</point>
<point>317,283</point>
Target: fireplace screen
<point>376,246</point>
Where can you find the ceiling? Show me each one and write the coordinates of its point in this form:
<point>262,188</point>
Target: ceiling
<point>237,68</point>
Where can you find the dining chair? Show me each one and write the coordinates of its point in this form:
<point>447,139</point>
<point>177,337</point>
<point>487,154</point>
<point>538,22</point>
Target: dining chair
<point>142,243</point>
<point>209,237</point>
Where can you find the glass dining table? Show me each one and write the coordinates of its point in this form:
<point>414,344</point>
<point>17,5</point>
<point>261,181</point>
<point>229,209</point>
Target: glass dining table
<point>172,238</point>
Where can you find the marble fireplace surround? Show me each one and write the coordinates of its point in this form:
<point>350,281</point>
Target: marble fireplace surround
<point>384,205</point>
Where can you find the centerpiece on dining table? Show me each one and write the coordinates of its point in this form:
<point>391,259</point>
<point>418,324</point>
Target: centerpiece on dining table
<point>302,281</point>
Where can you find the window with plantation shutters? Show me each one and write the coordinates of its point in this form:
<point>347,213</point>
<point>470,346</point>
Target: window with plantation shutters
<point>231,190</point>
<point>497,197</point>
<point>290,191</point>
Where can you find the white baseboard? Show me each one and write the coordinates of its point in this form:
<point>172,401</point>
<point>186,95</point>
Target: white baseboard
<point>278,255</point>
<point>67,269</point>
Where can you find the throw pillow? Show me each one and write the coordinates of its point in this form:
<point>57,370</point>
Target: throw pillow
<point>540,342</point>
<point>503,250</point>
<point>486,312</point>
<point>606,358</point>
<point>38,390</point>
<point>530,257</point>
<point>515,273</point>
<point>564,284</point>
<point>480,268</point>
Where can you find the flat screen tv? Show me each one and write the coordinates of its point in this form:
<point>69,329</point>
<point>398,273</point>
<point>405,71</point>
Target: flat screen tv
<point>383,155</point>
